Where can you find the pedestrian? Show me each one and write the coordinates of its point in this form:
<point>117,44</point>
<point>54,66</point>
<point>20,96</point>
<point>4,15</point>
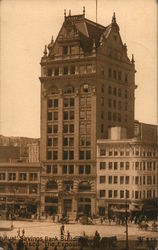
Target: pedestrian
<point>20,245</point>
<point>68,235</point>
<point>23,232</point>
<point>45,247</point>
<point>55,248</point>
<point>64,248</point>
<point>18,232</point>
<point>10,247</point>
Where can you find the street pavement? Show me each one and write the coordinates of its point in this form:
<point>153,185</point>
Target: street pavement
<point>50,229</point>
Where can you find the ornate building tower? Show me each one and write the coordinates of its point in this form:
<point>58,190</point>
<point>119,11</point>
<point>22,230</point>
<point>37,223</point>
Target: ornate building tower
<point>87,86</point>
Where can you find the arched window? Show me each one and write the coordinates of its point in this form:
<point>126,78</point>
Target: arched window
<point>51,185</point>
<point>68,90</point>
<point>84,186</point>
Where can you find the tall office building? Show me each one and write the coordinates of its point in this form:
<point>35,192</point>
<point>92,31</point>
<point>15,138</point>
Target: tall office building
<point>87,86</point>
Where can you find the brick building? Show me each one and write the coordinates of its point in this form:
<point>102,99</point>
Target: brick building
<point>87,86</point>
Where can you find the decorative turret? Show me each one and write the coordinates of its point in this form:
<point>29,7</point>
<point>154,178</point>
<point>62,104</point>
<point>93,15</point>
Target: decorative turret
<point>84,11</point>
<point>114,18</point>
<point>132,60</point>
<point>50,45</point>
<point>45,51</point>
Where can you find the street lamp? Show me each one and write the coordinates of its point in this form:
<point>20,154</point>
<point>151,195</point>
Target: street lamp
<point>126,222</point>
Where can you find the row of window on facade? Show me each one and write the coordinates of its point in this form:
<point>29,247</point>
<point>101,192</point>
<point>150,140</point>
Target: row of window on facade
<point>30,189</point>
<point>69,155</point>
<point>123,152</point>
<point>113,116</point>
<point>114,104</point>
<point>122,194</point>
<point>70,70</point>
<point>137,180</point>
<point>68,169</point>
<point>67,128</point>
<point>67,102</point>
<point>142,166</point>
<point>117,92</point>
<point>18,176</point>
<point>117,75</point>
<point>67,115</point>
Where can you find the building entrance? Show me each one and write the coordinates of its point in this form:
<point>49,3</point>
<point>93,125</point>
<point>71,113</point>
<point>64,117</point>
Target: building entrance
<point>67,205</point>
<point>84,206</point>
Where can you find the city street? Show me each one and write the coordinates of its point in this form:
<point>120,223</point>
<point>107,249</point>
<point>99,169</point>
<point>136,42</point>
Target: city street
<point>42,229</point>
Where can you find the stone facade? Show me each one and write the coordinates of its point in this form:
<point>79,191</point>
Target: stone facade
<point>87,86</point>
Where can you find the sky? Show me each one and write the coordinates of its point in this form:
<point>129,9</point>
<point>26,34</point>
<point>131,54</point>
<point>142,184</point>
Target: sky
<point>27,25</point>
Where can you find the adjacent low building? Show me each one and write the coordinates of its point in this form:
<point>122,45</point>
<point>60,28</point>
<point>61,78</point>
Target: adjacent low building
<point>19,188</point>
<point>127,173</point>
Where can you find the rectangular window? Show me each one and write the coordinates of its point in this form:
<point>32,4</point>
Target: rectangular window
<point>65,141</point>
<point>50,103</point>
<point>55,141</point>
<point>12,176</point>
<point>115,165</point>
<point>49,129</point>
<point>22,176</point>
<point>71,128</point>
<point>71,169</point>
<point>71,141</point>
<point>102,179</point>
<point>102,193</point>
<point>110,180</point>
<point>55,116</point>
<point>136,179</point>
<point>55,129</point>
<point>65,129</point>
<point>55,103</point>
<point>49,72</point>
<point>81,169</point>
<point>136,195</point>
<point>110,165</point>
<point>2,176</point>
<point>71,102</point>
<point>55,169</point>
<point>49,155</point>
<point>49,142</point>
<point>55,155</point>
<point>65,70</point>
<point>115,179</point>
<point>88,155</point>
<point>71,115</point>
<point>121,165</point>
<point>72,70</point>
<point>87,169</point>
<point>65,155</point>
<point>65,50</point>
<point>109,90</point>
<point>56,71</point>
<point>110,193</point>
<point>33,177</point>
<point>49,117</point>
<point>127,194</point>
<point>81,155</point>
<point>127,165</point>
<point>115,193</point>
<point>127,180</point>
<point>102,165</point>
<point>64,169</point>
<point>66,102</point>
<point>48,169</point>
<point>121,179</point>
<point>102,152</point>
<point>71,155</point>
<point>121,194</point>
<point>65,115</point>
<point>119,75</point>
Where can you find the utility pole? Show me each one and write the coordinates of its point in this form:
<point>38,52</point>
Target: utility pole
<point>126,222</point>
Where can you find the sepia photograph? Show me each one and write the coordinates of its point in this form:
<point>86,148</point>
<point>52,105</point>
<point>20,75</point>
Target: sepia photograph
<point>78,125</point>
